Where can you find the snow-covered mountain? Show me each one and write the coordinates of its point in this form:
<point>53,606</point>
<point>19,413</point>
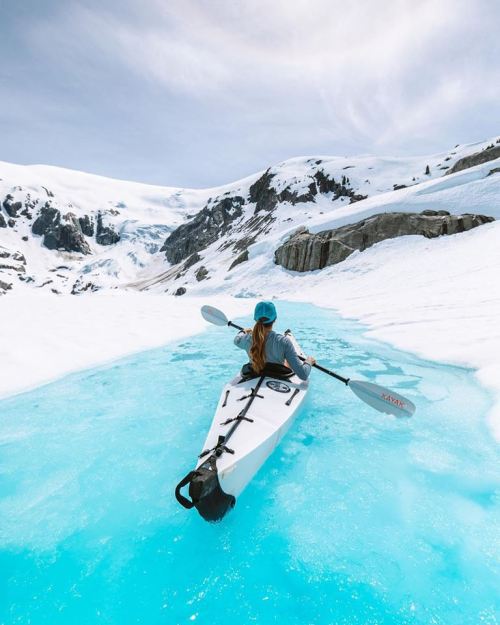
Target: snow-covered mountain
<point>64,231</point>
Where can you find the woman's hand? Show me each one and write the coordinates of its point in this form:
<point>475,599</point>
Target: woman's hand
<point>311,360</point>
<point>247,330</point>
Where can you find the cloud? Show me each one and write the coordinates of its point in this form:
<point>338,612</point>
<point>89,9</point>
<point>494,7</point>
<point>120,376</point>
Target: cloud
<point>277,78</point>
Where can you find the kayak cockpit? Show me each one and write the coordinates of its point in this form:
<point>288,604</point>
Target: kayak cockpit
<point>271,370</point>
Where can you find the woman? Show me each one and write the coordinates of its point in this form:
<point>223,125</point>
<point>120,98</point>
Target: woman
<point>263,345</point>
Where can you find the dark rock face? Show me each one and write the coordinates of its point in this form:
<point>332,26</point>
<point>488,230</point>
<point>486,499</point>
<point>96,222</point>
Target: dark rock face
<point>87,225</point>
<point>11,207</point>
<point>201,273</point>
<point>180,291</point>
<point>207,226</point>
<point>307,252</point>
<point>192,260</point>
<point>81,287</point>
<point>3,223</point>
<point>242,258</point>
<point>48,219</point>
<point>263,194</point>
<point>57,235</point>
<point>477,158</point>
<point>5,286</point>
<point>266,198</point>
<point>105,235</point>
<point>326,184</point>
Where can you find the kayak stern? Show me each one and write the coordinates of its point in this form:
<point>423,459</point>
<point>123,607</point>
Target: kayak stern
<point>206,493</point>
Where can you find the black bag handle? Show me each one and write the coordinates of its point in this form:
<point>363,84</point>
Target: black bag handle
<point>184,501</point>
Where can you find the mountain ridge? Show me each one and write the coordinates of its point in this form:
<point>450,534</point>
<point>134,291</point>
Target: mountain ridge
<point>79,231</point>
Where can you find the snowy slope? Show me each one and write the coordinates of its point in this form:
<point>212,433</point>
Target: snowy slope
<point>473,190</point>
<point>144,215</point>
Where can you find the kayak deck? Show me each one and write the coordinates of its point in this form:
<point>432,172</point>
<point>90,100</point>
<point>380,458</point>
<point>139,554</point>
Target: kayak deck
<point>274,405</point>
<point>252,416</point>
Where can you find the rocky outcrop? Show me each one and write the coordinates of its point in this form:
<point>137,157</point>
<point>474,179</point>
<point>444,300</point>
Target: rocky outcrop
<point>3,223</point>
<point>307,252</point>
<point>60,233</point>
<point>11,207</point>
<point>81,287</point>
<point>180,291</point>
<point>211,223</point>
<point>263,194</point>
<point>489,154</point>
<point>87,225</point>
<point>218,217</point>
<point>4,287</point>
<point>201,273</point>
<point>266,197</point>
<point>242,258</point>
<point>12,265</point>
<point>105,235</point>
<point>325,184</point>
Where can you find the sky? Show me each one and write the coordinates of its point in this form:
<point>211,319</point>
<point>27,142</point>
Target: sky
<point>198,93</point>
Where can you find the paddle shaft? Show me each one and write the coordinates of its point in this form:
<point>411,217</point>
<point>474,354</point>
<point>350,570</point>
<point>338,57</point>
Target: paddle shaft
<point>316,366</point>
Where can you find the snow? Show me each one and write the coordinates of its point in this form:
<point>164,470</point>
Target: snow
<point>437,298</point>
<point>43,337</point>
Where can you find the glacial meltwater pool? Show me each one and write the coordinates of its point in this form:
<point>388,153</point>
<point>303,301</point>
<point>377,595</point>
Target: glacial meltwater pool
<point>358,517</point>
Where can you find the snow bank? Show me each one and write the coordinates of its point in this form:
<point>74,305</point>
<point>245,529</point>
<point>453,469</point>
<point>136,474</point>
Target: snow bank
<point>437,298</point>
<point>43,337</point>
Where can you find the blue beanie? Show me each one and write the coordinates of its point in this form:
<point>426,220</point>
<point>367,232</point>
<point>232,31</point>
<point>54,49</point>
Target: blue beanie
<point>265,312</point>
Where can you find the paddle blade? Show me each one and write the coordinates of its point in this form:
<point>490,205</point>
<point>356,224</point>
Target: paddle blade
<point>382,399</point>
<point>214,315</point>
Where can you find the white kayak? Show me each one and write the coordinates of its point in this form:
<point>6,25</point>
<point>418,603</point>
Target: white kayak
<point>252,416</point>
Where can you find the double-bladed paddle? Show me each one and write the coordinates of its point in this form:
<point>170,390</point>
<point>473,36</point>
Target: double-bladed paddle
<point>378,397</point>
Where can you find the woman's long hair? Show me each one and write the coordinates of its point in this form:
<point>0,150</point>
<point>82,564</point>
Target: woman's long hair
<point>258,349</point>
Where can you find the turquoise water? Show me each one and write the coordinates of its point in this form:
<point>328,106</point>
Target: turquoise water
<point>358,518</point>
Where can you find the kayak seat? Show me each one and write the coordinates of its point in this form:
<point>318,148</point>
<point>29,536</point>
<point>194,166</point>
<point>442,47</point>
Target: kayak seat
<point>271,370</point>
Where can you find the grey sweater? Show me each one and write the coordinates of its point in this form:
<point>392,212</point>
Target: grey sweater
<point>278,349</point>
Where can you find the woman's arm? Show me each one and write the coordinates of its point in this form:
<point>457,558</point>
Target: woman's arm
<point>302,369</point>
<point>243,339</point>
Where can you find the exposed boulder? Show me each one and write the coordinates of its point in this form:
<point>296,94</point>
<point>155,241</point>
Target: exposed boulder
<point>489,154</point>
<point>180,291</point>
<point>192,260</point>
<point>242,258</point>
<point>12,256</point>
<point>5,286</point>
<point>211,223</point>
<point>201,273</point>
<point>48,219</point>
<point>3,223</point>
<point>105,235</point>
<point>87,225</point>
<point>81,287</point>
<point>307,252</point>
<point>60,233</point>
<point>11,207</point>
